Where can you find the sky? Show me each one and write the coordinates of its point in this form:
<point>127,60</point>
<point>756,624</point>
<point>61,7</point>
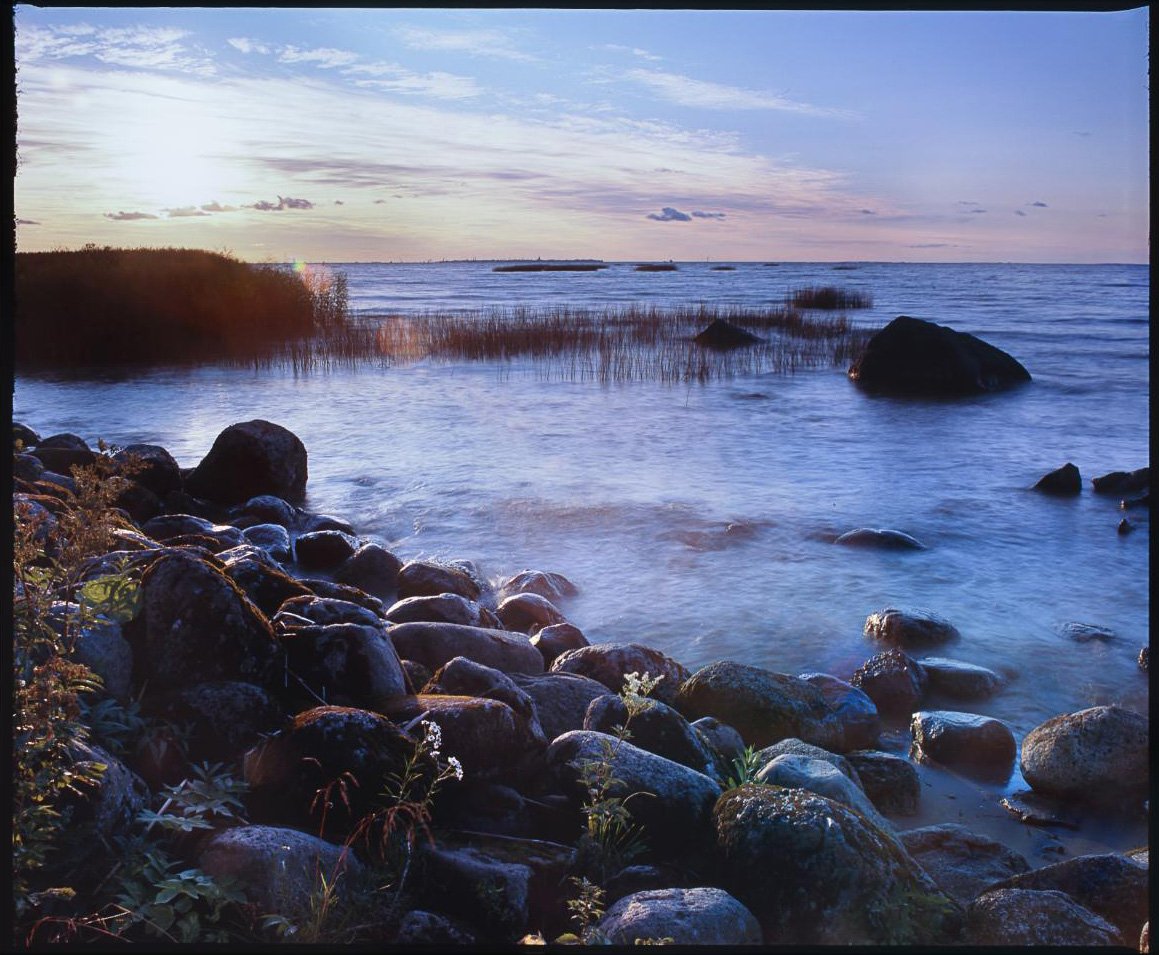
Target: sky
<point>343,135</point>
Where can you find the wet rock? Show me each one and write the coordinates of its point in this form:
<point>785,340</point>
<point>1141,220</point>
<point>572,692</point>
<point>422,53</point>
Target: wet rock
<point>1144,659</point>
<point>909,628</point>
<point>551,586</point>
<point>463,677</point>
<point>894,681</point>
<point>249,459</point>
<point>1019,917</point>
<point>796,747</point>
<point>198,626</point>
<point>724,336</point>
<point>675,818</point>
<point>172,527</point>
<point>916,357</point>
<point>561,699</point>
<point>312,523</point>
<point>278,869</point>
<point>1130,503</point>
<point>323,550</point>
<point>433,644</point>
<point>336,591</point>
<point>1097,754</point>
<point>62,452</point>
<point>977,745</point>
<point>262,580</point>
<point>891,782</point>
<point>880,539</point>
<point>960,680</point>
<point>557,639</point>
<point>152,466</point>
<point>420,578</point>
<point>274,539</point>
<point>608,663</point>
<point>528,613</point>
<point>344,752</point>
<point>223,718</point>
<point>265,509</point>
<point>443,608</point>
<point>1123,482</point>
<point>24,435</point>
<point>852,708</point>
<point>1110,885</point>
<point>344,664</point>
<point>820,776</point>
<point>697,916</point>
<point>838,878</point>
<point>963,863</point>
<point>1124,527</point>
<point>655,726</point>
<point>371,568</point>
<point>328,610</point>
<point>1034,809</point>
<point>1063,481</point>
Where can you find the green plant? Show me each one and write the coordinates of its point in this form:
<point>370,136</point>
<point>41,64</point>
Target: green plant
<point>744,769</point>
<point>210,797</point>
<point>587,908</point>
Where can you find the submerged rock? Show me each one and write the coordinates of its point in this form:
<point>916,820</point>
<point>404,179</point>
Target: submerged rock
<point>978,745</point>
<point>724,336</point>
<point>960,680</point>
<point>1064,481</point>
<point>880,538</point>
<point>909,628</point>
<point>963,863</point>
<point>916,357</point>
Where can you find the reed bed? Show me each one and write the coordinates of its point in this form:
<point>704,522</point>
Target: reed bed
<point>829,298</point>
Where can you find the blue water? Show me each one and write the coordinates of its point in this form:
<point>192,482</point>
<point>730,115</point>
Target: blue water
<point>629,489</point>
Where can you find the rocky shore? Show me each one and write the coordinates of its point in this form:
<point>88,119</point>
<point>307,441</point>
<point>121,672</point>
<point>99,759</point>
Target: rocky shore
<point>516,783</point>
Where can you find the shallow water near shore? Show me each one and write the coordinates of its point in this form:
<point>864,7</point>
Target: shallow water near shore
<point>700,519</point>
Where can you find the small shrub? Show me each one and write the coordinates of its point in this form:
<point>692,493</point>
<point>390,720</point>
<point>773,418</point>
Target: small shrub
<point>829,298</point>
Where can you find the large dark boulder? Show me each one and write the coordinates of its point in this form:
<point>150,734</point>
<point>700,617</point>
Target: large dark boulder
<point>913,356</point>
<point>1062,481</point>
<point>977,745</point>
<point>152,466</point>
<point>61,452</point>
<point>250,459</point>
<point>1123,482</point>
<point>609,663</point>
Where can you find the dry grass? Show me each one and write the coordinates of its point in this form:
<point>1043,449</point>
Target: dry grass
<point>828,298</point>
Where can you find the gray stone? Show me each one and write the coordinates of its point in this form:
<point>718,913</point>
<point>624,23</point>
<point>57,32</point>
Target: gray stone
<point>960,680</point>
<point>909,628</point>
<point>852,708</point>
<point>420,578</point>
<point>327,610</point>
<point>609,663</point>
<point>794,771</point>
<point>894,681</point>
<point>547,584</point>
<point>371,568</point>
<point>796,747</point>
<point>1009,917</point>
<point>891,782</point>
<point>561,699</point>
<point>324,550</point>
<point>1063,481</point>
<point>442,608</point>
<point>963,863</point>
<point>342,664</point>
<point>433,644</point>
<point>556,639</point>
<point>528,613</point>
<point>696,916</point>
<point>656,727</point>
<point>274,539</point>
<point>978,745</point>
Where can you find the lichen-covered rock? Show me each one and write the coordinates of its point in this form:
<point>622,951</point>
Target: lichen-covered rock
<point>433,644</point>
<point>797,771</point>
<point>371,568</point>
<point>528,613</point>
<point>561,699</point>
<point>344,664</point>
<point>249,459</point>
<point>324,550</point>
<point>223,718</point>
<point>894,681</point>
<point>1020,917</point>
<point>1112,886</point>
<point>1097,754</point>
<point>608,663</point>
<point>909,628</point>
<point>815,872</point>
<point>958,679</point>
<point>198,626</point>
<point>443,608</point>
<point>1064,481</point>
<point>260,578</point>
<point>556,639</point>
<point>979,745</point>
<point>655,726</point>
<point>546,584</point>
<point>891,782</point>
<point>963,863</point>
<point>762,705</point>
<point>280,870</point>
<point>675,817</point>
<point>697,916</point>
<point>852,708</point>
<point>171,527</point>
<point>421,578</point>
<point>463,677</point>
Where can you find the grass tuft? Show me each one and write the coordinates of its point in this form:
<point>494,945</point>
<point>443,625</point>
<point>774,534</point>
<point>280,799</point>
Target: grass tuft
<point>828,298</point>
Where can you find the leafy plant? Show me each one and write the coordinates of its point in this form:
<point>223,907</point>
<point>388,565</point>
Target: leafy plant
<point>744,769</point>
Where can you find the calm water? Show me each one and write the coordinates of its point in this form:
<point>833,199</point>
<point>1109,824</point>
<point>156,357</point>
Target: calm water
<point>699,519</point>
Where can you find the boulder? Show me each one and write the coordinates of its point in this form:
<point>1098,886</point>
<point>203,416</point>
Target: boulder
<point>561,699</point>
<point>1119,483</point>
<point>675,816</point>
<point>274,539</point>
<point>24,436</point>
<point>265,509</point>
<point>1099,754</point>
<point>420,578</point>
<point>977,745</point>
<point>915,357</point>
<point>552,586</point>
<point>196,625</point>
<point>796,747</point>
<point>433,644</point>
<point>643,878</point>
<point>442,608</point>
<point>794,771</point>
<point>894,681</point>
<point>327,610</point>
<point>259,577</point>
<point>27,467</point>
<point>310,523</point>
<point>762,705</point>
<point>909,628</point>
<point>726,744</point>
<point>696,916</point>
<point>101,646</point>
<point>134,499</point>
<point>608,663</point>
<point>223,718</point>
<point>963,863</point>
<point>852,709</point>
<point>420,928</point>
<point>62,452</point>
<point>336,591</point>
<point>325,770</point>
<point>891,782</point>
<point>720,335</point>
<point>173,527</point>
<point>152,466</point>
<point>344,664</point>
<point>1112,886</point>
<point>557,639</point>
<point>960,680</point>
<point>249,459</point>
<point>655,726</point>
<point>371,568</point>
<point>463,677</point>
<point>280,870</point>
<point>879,538</point>
<point>528,613</point>
<point>837,878</point>
<point>324,550</point>
<point>1022,917</point>
<point>1063,481</point>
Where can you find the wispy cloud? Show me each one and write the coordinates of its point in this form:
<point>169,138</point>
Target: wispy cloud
<point>491,43</point>
<point>283,203</point>
<point>702,94</point>
<point>1038,204</point>
<point>668,214</point>
<point>397,79</point>
<point>1019,212</point>
<point>632,50</point>
<point>708,215</point>
<point>327,58</point>
<point>139,47</point>
<point>128,216</point>
<point>185,212</point>
<point>246,45</point>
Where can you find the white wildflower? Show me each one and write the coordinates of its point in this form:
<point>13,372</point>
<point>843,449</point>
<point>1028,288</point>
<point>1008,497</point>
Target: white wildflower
<point>433,738</point>
<point>456,767</point>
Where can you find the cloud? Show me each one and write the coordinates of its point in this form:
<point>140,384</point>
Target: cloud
<point>1019,212</point>
<point>491,43</point>
<point>139,47</point>
<point>325,57</point>
<point>708,215</point>
<point>868,212</point>
<point>968,202</point>
<point>216,206</point>
<point>339,202</point>
<point>27,222</point>
<point>284,202</point>
<point>184,212</point>
<point>701,94</point>
<point>379,202</point>
<point>246,45</point>
<point>1038,204</point>
<point>668,214</point>
<point>128,216</point>
<point>977,211</point>
<point>632,50</point>
<point>932,245</point>
<point>395,79</point>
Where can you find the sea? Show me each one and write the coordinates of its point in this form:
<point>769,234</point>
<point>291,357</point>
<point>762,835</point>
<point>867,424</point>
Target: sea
<point>700,518</point>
